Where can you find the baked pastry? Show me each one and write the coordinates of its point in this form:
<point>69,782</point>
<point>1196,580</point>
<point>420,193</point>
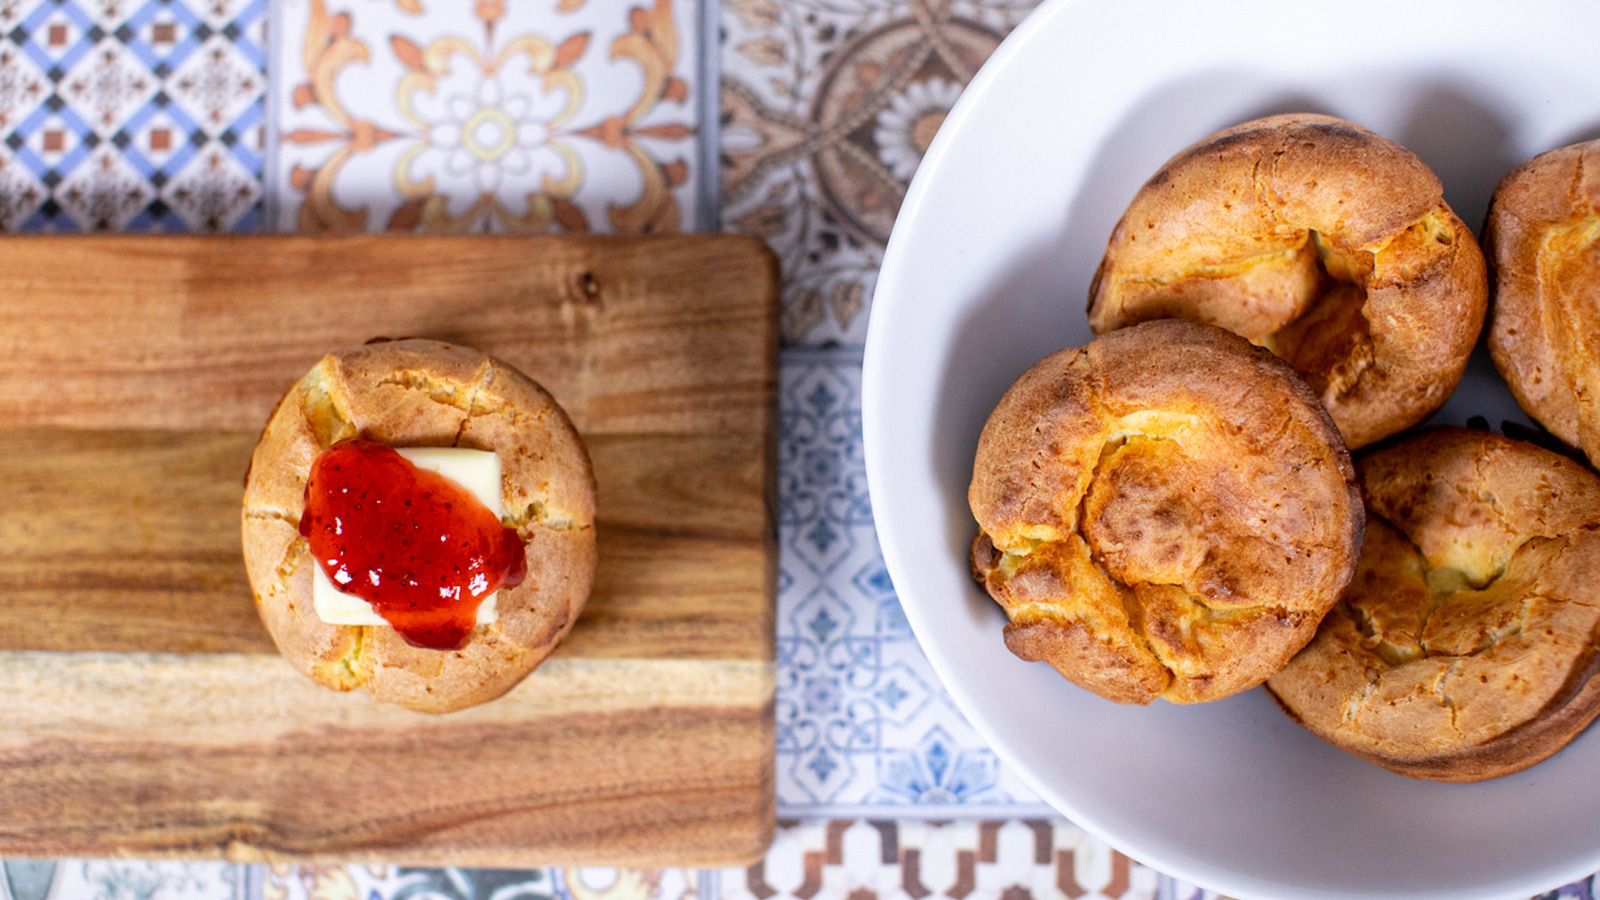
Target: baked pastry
<point>1464,648</point>
<point>1543,242</point>
<point>421,393</point>
<point>1165,512</point>
<point>1325,243</point>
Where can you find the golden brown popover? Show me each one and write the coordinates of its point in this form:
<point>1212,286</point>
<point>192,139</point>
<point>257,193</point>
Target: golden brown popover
<point>1543,242</point>
<point>1165,512</point>
<point>421,393</point>
<point>1464,648</point>
<point>1328,244</point>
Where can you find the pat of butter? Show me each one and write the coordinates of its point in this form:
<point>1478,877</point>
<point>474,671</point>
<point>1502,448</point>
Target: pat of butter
<point>476,470</point>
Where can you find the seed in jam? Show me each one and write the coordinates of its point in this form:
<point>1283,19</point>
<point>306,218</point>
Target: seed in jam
<point>421,549</point>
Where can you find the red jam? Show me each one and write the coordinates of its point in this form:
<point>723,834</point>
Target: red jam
<point>422,549</point>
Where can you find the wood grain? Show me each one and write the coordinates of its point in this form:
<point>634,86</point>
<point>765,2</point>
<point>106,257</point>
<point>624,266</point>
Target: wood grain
<point>146,709</point>
<point>481,786</point>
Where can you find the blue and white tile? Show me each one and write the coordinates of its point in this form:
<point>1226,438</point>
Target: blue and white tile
<point>132,115</point>
<point>864,725</point>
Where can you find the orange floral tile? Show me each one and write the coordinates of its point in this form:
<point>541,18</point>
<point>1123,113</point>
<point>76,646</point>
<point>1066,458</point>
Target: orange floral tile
<point>453,116</point>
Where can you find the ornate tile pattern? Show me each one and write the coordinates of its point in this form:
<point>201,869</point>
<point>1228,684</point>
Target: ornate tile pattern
<point>863,722</point>
<point>855,858</point>
<point>107,880</point>
<point>401,883</point>
<point>448,117</point>
<point>964,860</point>
<point>144,115</point>
<point>827,108</point>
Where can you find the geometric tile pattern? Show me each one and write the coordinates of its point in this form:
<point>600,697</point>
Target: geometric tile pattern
<point>965,860</point>
<point>403,883</point>
<point>863,722</point>
<point>848,859</point>
<point>132,115</point>
<point>827,109</point>
<point>859,859</point>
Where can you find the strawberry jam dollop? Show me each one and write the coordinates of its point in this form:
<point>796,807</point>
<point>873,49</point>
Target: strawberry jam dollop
<point>417,546</point>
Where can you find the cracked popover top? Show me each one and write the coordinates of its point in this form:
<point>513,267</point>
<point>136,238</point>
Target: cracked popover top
<point>1322,241</point>
<point>1165,512</point>
<point>423,393</point>
<point>1543,241</point>
<point>1464,647</point>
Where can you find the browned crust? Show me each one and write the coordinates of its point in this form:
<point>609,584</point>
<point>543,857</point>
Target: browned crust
<point>422,393</point>
<point>1323,241</point>
<point>1464,648</point>
<point>1166,512</point>
<point>1543,244</point>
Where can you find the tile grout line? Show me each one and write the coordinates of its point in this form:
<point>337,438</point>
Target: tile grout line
<point>254,881</point>
<point>708,218</point>
<point>270,198</point>
<point>710,887</point>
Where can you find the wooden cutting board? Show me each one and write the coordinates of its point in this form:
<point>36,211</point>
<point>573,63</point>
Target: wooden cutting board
<point>143,708</point>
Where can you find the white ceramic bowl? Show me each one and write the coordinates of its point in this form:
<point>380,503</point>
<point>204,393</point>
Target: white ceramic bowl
<point>988,271</point>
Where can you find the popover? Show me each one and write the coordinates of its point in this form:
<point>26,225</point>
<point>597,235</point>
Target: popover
<point>1464,648</point>
<point>1324,242</point>
<point>1164,512</point>
<point>421,393</point>
<point>1543,242</point>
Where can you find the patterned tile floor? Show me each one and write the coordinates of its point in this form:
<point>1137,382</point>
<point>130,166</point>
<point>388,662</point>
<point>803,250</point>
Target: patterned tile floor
<point>126,115</point>
<point>827,107</point>
<point>797,121</point>
<point>864,727</point>
<point>445,117</point>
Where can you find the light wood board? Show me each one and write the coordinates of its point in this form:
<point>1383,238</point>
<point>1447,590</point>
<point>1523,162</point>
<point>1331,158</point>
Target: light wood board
<point>143,708</point>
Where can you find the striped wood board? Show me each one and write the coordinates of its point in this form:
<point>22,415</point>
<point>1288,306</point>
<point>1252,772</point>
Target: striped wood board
<point>143,708</point>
